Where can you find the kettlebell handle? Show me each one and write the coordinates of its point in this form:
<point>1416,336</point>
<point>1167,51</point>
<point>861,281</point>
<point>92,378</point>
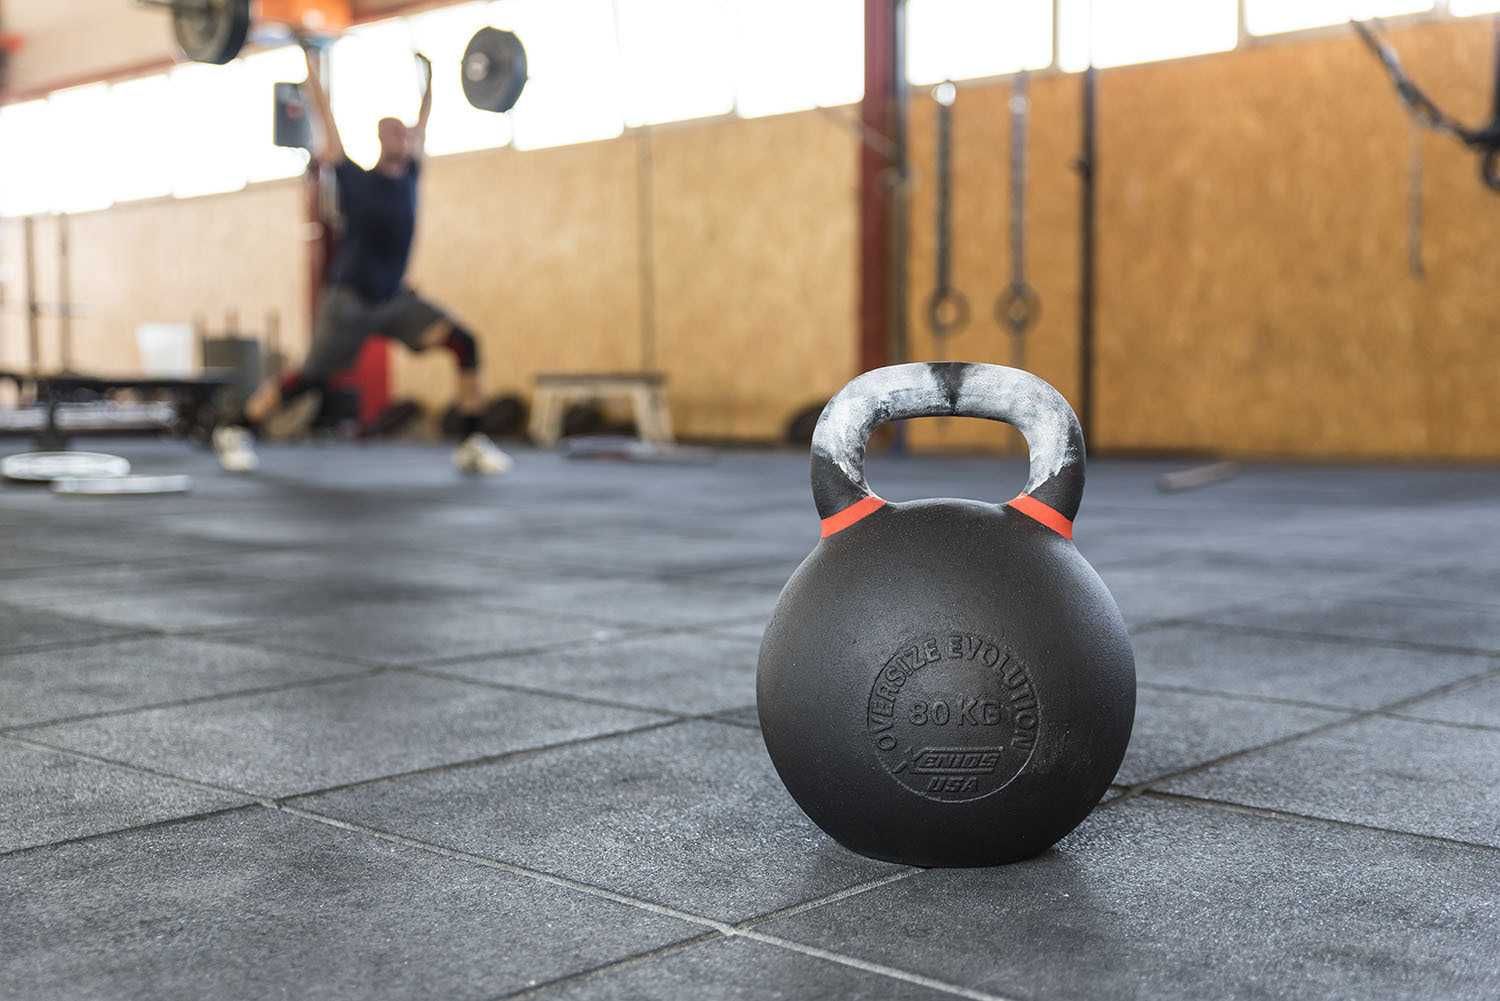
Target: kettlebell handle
<point>1054,486</point>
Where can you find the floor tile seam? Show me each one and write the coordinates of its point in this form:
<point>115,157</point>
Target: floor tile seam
<point>1446,688</point>
<point>49,571</point>
<point>1268,700</point>
<point>1452,724</point>
<point>120,635</point>
<point>139,769</point>
<point>801,907</point>
<point>1384,709</point>
<point>21,728</point>
<point>114,832</point>
<point>500,604</point>
<point>237,635</point>
<point>479,761</point>
<point>273,800</point>
<point>879,969</point>
<point>1277,813</point>
<point>512,868</point>
<point>240,630</point>
<point>1339,639</point>
<point>504,605</point>
<point>583,569</point>
<point>613,966</point>
<point>512,653</point>
<point>544,692</point>
<point>1345,719</point>
<point>715,926</point>
<point>727,721</point>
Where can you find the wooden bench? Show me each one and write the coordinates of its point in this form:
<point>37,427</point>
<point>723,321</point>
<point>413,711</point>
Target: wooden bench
<point>645,390</point>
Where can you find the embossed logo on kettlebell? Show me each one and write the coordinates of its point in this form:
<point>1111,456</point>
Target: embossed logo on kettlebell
<point>953,716</point>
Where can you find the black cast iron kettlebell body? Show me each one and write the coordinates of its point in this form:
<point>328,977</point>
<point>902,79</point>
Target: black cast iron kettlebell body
<point>947,682</point>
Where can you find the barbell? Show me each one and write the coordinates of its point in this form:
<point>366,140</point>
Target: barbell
<point>493,70</point>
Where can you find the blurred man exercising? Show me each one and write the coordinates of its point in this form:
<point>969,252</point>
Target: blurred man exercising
<point>366,293</point>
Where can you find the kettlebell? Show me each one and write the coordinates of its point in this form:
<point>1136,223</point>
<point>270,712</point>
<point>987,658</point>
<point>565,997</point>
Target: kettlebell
<point>946,682</point>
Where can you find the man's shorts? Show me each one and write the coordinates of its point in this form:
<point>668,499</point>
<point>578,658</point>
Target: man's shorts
<point>345,320</point>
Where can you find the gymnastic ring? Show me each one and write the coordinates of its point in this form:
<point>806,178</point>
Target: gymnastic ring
<point>1018,308</point>
<point>947,311</point>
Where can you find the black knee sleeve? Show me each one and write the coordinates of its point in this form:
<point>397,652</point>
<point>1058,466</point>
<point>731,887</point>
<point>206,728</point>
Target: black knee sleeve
<point>464,348</point>
<point>294,384</point>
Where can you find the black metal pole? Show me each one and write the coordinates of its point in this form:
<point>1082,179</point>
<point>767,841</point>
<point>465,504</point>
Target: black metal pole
<point>33,303</point>
<point>900,179</point>
<point>64,294</point>
<point>1087,168</point>
<point>645,173</point>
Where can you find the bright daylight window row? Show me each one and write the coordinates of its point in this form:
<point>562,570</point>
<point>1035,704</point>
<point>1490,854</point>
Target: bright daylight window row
<point>597,67</point>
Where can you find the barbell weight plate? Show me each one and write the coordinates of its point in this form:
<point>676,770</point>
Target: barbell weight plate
<point>211,32</point>
<point>799,430</point>
<point>451,423</point>
<point>505,417</point>
<point>44,467</point>
<point>117,486</point>
<point>493,70</point>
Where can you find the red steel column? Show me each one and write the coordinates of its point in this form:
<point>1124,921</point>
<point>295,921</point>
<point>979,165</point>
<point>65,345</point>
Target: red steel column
<point>882,289</point>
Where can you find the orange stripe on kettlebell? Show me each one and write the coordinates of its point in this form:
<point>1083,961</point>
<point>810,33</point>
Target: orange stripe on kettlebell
<point>854,512</point>
<point>1037,511</point>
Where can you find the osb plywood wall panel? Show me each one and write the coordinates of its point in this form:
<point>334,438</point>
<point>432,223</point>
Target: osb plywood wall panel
<point>754,229</point>
<point>13,349</point>
<point>1254,293</point>
<point>47,272</point>
<point>537,253</point>
<point>1455,312</point>
<point>981,241</point>
<point>171,261</point>
<point>1253,288</point>
<point>68,40</point>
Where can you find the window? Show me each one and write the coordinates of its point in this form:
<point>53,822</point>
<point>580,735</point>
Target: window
<point>205,152</point>
<point>1463,8</point>
<point>78,119</point>
<point>455,125</point>
<point>1265,17</point>
<point>963,39</point>
<point>677,59</point>
<point>572,53</point>
<point>1120,32</point>
<point>373,76</point>
<point>791,55</point>
<point>255,113</point>
<point>26,174</point>
<point>142,134</point>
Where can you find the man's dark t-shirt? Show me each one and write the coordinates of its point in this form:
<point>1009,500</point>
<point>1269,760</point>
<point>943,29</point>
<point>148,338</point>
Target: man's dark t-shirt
<point>380,216</point>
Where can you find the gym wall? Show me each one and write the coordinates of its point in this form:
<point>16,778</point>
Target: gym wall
<point>1253,297</point>
<point>1255,293</point>
<point>165,261</point>
<point>69,41</point>
<point>745,295</point>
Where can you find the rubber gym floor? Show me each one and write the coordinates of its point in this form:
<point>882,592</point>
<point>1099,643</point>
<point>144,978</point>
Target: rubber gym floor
<point>355,727</point>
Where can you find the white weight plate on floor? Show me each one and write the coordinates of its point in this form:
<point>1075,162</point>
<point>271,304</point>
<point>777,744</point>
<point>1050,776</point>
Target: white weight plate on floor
<point>44,467</point>
<point>114,486</point>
